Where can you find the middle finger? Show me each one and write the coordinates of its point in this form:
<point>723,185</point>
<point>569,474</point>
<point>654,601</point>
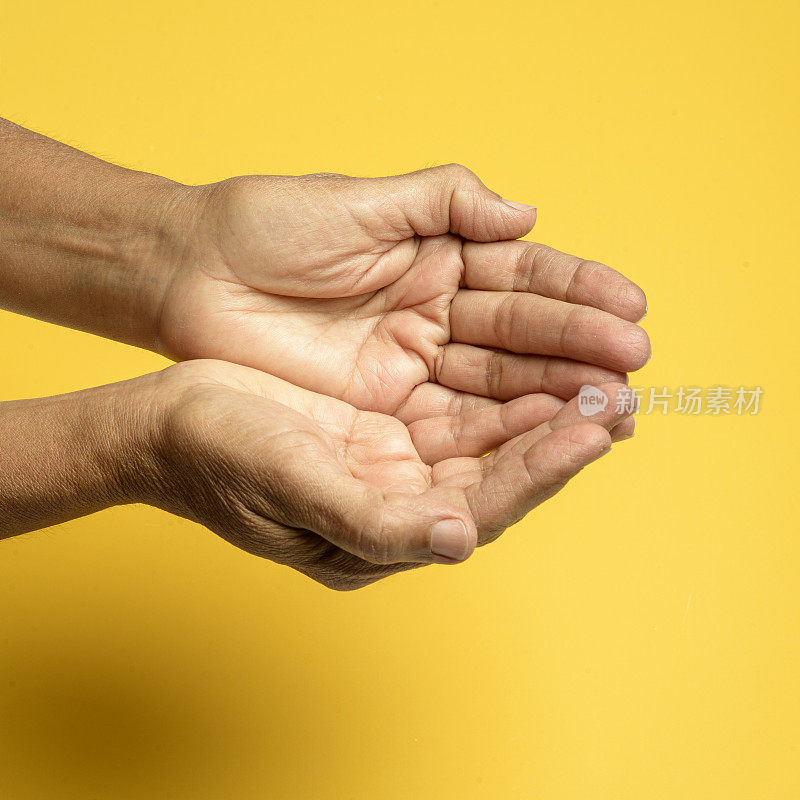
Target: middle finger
<point>528,323</point>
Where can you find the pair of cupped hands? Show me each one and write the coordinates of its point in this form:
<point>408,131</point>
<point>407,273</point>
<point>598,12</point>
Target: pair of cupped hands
<point>374,373</point>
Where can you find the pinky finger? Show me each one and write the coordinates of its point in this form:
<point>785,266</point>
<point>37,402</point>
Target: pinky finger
<point>623,430</point>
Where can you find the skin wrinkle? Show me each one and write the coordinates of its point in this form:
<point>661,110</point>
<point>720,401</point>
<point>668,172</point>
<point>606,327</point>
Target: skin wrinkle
<point>377,266</point>
<point>527,277</point>
<point>503,322</point>
<point>389,336</point>
<point>567,328</point>
<point>437,363</point>
<point>544,261</point>
<point>344,451</point>
<point>370,538</point>
<point>387,219</point>
<point>546,378</point>
<point>447,199</point>
<point>578,276</point>
<point>494,373</point>
<point>357,360</point>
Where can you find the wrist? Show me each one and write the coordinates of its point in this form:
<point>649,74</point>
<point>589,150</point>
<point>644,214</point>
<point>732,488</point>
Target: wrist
<point>124,423</point>
<point>74,454</point>
<point>145,239</point>
<point>141,459</point>
<point>85,243</point>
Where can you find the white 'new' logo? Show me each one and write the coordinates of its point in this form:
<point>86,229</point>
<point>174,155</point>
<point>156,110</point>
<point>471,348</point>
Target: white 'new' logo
<point>591,400</point>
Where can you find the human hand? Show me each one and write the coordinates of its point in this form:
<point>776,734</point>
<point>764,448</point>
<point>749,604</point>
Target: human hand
<point>349,496</point>
<point>397,294</point>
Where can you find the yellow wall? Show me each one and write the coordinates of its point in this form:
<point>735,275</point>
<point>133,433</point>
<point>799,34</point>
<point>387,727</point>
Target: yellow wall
<point>637,637</point>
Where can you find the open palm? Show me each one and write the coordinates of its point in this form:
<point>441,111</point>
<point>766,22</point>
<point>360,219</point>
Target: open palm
<point>349,496</point>
<point>403,295</point>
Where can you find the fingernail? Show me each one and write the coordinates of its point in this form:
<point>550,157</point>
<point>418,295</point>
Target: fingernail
<point>449,539</point>
<point>518,206</point>
<point>645,312</point>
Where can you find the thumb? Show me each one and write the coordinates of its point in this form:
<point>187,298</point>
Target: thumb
<point>452,199</point>
<point>379,527</point>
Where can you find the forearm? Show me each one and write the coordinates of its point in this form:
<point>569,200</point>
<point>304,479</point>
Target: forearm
<point>71,455</point>
<point>84,243</point>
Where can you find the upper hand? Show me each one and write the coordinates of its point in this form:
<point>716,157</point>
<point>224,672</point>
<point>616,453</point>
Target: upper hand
<point>400,295</point>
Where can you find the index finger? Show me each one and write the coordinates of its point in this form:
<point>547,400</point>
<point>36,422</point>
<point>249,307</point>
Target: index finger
<point>517,266</point>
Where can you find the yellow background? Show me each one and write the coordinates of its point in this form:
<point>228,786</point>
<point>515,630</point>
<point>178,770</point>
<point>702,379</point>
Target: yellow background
<point>636,637</point>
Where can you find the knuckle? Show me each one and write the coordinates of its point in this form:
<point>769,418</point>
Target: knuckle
<point>495,366</point>
<point>539,264</point>
<point>580,322</point>
<point>459,173</point>
<point>437,367</point>
<point>455,405</point>
<point>534,264</point>
<point>509,323</point>
<point>456,168</point>
<point>581,275</point>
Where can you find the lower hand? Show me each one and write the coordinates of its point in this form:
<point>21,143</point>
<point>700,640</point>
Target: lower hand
<point>348,496</point>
